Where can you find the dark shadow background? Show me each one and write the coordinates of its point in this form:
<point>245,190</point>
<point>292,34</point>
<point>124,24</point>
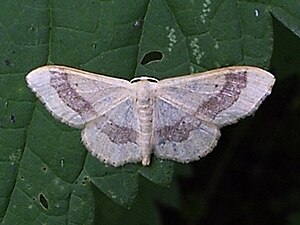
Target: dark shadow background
<point>253,175</point>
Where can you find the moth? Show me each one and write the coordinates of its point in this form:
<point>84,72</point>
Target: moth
<point>177,118</point>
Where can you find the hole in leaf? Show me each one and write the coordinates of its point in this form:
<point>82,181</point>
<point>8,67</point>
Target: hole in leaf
<point>8,62</point>
<point>151,56</point>
<point>138,24</point>
<point>12,118</point>
<point>62,163</point>
<point>43,201</point>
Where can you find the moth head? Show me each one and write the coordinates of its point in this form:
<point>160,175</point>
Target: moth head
<point>143,78</point>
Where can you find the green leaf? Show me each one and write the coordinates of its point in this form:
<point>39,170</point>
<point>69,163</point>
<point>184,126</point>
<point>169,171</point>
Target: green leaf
<point>46,174</point>
<point>288,13</point>
<point>143,210</point>
<point>193,36</point>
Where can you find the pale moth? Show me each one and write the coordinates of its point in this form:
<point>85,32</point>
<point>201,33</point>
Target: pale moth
<point>177,118</point>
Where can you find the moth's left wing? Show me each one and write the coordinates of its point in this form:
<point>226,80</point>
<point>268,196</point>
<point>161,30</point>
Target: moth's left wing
<point>74,96</point>
<point>190,110</point>
<point>219,96</point>
<point>179,136</point>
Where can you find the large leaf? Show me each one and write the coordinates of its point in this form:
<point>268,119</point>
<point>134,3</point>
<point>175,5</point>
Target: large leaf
<point>45,172</point>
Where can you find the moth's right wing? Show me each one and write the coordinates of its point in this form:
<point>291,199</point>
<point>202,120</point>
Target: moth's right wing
<point>74,96</point>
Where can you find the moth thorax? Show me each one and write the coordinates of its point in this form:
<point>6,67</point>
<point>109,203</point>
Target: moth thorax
<point>144,94</point>
<point>144,105</point>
